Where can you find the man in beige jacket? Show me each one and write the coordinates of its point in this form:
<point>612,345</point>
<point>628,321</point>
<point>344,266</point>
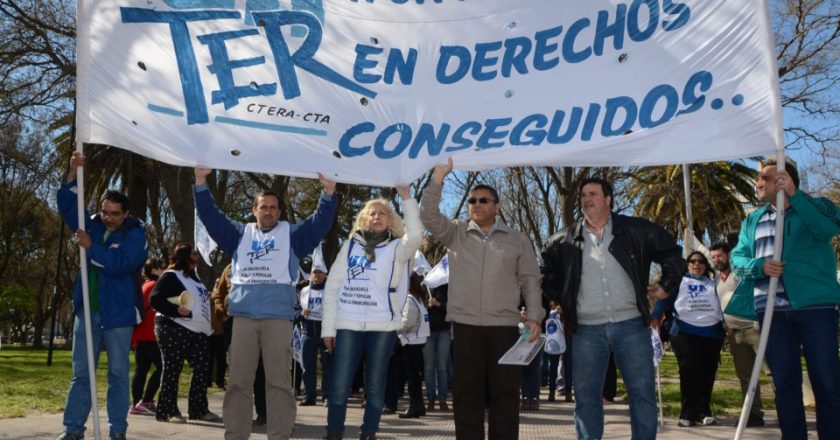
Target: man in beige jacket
<point>743,333</point>
<point>491,269</point>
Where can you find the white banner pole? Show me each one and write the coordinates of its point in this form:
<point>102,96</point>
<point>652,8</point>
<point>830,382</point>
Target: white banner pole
<point>777,242</point>
<point>83,272</point>
<point>689,215</point>
<point>82,133</point>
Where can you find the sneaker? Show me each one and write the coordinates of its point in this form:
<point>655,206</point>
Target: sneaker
<point>209,416</point>
<point>150,405</point>
<point>70,436</point>
<point>259,421</point>
<point>707,421</point>
<point>685,423</point>
<point>117,436</point>
<point>174,419</point>
<point>143,409</point>
<point>755,421</point>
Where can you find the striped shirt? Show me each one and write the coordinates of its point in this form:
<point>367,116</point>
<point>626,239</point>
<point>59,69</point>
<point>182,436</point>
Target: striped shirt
<point>765,239</point>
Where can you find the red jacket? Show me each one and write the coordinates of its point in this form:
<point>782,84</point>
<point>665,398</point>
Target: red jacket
<point>145,331</point>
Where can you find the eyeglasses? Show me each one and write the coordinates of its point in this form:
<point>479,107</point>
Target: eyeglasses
<point>110,214</point>
<point>482,200</point>
<point>696,261</point>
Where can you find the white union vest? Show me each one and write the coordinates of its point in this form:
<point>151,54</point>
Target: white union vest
<point>697,302</point>
<point>312,299</point>
<point>423,331</point>
<point>263,257</point>
<point>200,321</point>
<point>365,293</point>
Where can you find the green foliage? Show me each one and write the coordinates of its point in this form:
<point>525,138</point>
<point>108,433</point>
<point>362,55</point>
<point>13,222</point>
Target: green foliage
<point>719,191</point>
<point>29,386</point>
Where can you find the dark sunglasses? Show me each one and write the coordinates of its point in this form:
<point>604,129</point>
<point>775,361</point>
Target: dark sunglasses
<point>696,261</point>
<point>482,200</point>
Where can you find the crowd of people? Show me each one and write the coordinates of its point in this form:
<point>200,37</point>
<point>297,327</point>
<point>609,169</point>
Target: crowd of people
<point>367,316</point>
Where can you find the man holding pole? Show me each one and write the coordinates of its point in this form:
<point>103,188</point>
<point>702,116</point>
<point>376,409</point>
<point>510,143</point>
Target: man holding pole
<point>805,317</point>
<point>116,250</point>
<point>262,299</point>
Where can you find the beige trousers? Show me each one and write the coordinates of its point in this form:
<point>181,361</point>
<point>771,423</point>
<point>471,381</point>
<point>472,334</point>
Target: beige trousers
<point>274,338</point>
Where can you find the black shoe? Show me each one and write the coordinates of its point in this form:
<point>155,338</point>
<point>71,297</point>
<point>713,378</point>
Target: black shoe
<point>259,421</point>
<point>117,436</point>
<point>70,436</point>
<point>367,436</point>
<point>336,435</point>
<point>307,402</point>
<point>755,421</point>
<point>412,412</point>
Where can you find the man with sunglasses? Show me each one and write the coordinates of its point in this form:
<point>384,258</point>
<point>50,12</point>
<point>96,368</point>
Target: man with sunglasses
<point>598,270</point>
<point>116,251</point>
<point>492,268</point>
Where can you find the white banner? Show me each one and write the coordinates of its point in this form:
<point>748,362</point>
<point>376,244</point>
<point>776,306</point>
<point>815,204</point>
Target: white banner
<point>377,91</point>
<point>439,275</point>
<point>421,265</point>
<point>203,242</point>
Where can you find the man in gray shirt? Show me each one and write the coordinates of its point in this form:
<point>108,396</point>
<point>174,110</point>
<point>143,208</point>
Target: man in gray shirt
<point>597,270</point>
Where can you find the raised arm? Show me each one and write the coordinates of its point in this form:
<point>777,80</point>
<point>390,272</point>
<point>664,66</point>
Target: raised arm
<point>413,237</point>
<point>442,228</point>
<point>67,194</point>
<point>222,229</point>
<point>308,233</point>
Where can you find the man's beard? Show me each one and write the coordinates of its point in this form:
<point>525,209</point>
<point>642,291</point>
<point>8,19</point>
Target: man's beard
<point>722,267</point>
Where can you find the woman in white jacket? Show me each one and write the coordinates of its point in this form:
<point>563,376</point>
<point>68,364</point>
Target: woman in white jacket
<point>363,301</point>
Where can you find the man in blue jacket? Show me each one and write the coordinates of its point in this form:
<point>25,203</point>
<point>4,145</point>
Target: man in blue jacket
<point>116,250</point>
<point>262,299</point>
<point>805,313</point>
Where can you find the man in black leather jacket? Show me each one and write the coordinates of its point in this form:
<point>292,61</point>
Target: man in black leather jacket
<point>598,271</point>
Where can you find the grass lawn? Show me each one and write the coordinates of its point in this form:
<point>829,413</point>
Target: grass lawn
<point>726,397</point>
<point>28,385</point>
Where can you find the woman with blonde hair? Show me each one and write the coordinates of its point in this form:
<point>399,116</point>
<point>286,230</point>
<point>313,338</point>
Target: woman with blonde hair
<point>363,302</point>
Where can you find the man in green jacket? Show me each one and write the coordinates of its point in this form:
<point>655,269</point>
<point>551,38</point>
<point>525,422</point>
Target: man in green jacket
<point>805,310</point>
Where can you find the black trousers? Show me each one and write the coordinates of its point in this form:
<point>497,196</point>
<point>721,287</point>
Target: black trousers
<point>146,355</point>
<point>413,361</point>
<point>476,363</point>
<point>698,359</point>
<point>178,344</point>
<point>218,359</point>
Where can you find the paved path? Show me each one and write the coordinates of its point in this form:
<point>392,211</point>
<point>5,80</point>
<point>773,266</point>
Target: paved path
<point>554,421</point>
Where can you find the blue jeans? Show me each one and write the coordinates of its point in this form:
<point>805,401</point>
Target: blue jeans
<point>436,364</point>
<point>816,332</point>
<point>629,342</point>
<point>117,343</point>
<point>349,348</point>
<point>312,346</point>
